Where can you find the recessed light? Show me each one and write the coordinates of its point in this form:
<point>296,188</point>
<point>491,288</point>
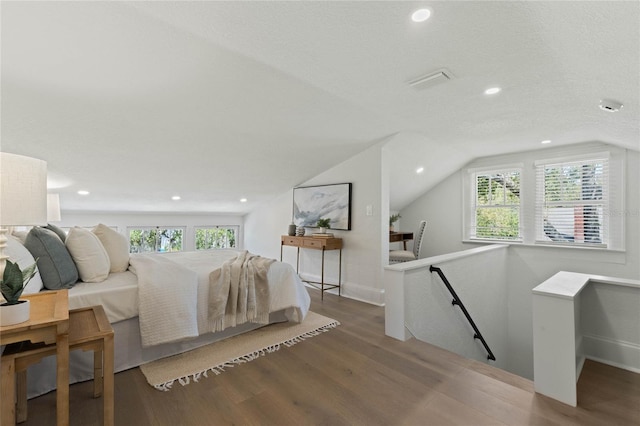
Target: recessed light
<point>610,106</point>
<point>545,141</point>
<point>175,197</point>
<point>420,15</point>
<point>492,91</point>
<point>420,170</point>
<point>83,192</point>
<point>243,200</point>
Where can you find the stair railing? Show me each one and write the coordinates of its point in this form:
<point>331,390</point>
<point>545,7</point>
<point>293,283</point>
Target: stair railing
<point>456,301</point>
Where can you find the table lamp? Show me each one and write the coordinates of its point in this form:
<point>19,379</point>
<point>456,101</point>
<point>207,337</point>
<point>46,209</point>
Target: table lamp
<point>23,197</point>
<point>53,208</point>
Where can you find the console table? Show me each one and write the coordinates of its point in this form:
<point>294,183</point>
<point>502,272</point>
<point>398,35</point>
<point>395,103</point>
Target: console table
<point>316,243</point>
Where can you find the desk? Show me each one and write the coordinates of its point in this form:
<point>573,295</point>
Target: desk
<point>48,323</point>
<point>396,237</point>
<point>315,243</point>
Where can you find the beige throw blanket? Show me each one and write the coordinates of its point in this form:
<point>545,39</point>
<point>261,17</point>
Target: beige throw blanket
<point>167,299</point>
<point>239,292</point>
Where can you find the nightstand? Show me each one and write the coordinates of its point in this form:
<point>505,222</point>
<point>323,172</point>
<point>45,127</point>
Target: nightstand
<point>89,330</point>
<point>48,323</point>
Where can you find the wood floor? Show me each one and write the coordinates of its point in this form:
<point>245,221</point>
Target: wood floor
<point>355,375</point>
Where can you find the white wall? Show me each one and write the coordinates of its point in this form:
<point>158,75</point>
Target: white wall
<point>528,266</point>
<point>610,324</point>
<point>432,318</point>
<point>122,220</point>
<point>361,255</point>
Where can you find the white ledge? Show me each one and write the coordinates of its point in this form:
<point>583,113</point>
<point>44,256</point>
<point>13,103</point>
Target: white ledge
<point>569,284</point>
<point>443,258</point>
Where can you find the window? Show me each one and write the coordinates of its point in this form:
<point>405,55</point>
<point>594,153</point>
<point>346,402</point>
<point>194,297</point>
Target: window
<point>216,237</point>
<point>572,197</point>
<point>155,239</point>
<point>496,205</point>
<point>566,197</point>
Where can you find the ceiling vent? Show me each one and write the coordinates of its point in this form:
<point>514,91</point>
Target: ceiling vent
<point>609,105</point>
<point>440,76</point>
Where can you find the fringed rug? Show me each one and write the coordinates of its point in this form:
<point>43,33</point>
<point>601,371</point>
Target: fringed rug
<point>218,356</point>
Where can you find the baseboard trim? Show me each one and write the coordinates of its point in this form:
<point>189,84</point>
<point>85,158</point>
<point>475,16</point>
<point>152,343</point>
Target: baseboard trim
<point>617,353</point>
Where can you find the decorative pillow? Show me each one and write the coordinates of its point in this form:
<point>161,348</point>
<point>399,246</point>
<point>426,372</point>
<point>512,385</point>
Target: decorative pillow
<point>18,253</point>
<point>59,232</point>
<point>20,235</point>
<point>54,261</point>
<point>89,255</point>
<point>116,245</point>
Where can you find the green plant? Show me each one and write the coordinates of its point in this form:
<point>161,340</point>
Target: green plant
<point>394,218</point>
<point>324,223</point>
<point>14,281</point>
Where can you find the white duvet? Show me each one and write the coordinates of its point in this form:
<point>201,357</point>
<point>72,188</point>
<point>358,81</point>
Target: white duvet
<point>173,293</point>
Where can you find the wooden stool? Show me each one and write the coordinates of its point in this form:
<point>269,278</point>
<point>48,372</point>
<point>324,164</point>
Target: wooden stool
<point>89,329</point>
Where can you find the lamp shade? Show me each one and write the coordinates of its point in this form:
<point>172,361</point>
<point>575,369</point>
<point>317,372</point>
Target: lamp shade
<point>23,190</point>
<point>53,208</point>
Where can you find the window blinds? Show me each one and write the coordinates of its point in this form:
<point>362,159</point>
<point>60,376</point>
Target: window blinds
<point>497,205</point>
<point>572,197</point>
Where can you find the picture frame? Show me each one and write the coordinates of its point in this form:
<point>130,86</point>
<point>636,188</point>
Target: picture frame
<point>332,201</point>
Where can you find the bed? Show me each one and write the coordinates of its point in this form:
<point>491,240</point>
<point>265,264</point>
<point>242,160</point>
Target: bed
<point>120,295</point>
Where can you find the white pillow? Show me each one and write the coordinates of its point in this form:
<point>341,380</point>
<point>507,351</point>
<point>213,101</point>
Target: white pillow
<point>116,245</point>
<point>89,255</point>
<point>20,235</point>
<point>19,254</point>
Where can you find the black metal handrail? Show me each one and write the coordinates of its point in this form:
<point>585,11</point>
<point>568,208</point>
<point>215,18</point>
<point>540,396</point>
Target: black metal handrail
<point>456,301</point>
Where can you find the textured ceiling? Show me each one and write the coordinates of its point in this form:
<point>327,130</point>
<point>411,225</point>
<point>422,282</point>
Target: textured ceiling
<point>215,101</point>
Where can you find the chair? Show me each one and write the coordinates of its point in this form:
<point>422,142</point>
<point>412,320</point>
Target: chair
<point>398,256</point>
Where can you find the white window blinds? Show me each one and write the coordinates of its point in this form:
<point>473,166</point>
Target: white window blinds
<point>496,205</point>
<point>572,198</point>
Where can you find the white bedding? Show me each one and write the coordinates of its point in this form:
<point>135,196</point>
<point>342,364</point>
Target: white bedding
<point>119,297</point>
<point>167,299</point>
<point>119,293</point>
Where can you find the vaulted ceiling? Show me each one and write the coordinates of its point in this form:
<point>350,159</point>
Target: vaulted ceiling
<point>215,101</point>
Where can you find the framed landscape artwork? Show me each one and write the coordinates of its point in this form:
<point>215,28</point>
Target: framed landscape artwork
<point>311,203</point>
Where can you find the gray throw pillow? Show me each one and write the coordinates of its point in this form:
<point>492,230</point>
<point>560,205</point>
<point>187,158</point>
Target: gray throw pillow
<point>59,232</point>
<point>55,264</point>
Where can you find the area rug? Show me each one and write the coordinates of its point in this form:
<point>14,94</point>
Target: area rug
<point>218,356</point>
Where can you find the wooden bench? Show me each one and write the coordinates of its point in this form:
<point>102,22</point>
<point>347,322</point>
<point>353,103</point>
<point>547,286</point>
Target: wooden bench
<point>89,329</point>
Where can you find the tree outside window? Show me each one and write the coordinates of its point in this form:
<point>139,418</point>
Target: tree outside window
<point>574,201</point>
<point>219,237</point>
<point>150,239</point>
<point>497,205</point>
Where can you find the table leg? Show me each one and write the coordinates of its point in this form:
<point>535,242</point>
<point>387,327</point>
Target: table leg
<point>8,391</point>
<point>98,371</point>
<point>322,277</point>
<point>62,379</point>
<point>108,392</point>
<point>21,396</point>
<point>340,274</point>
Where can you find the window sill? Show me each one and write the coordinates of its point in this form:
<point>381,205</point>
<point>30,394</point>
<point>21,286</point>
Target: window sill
<point>596,254</point>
